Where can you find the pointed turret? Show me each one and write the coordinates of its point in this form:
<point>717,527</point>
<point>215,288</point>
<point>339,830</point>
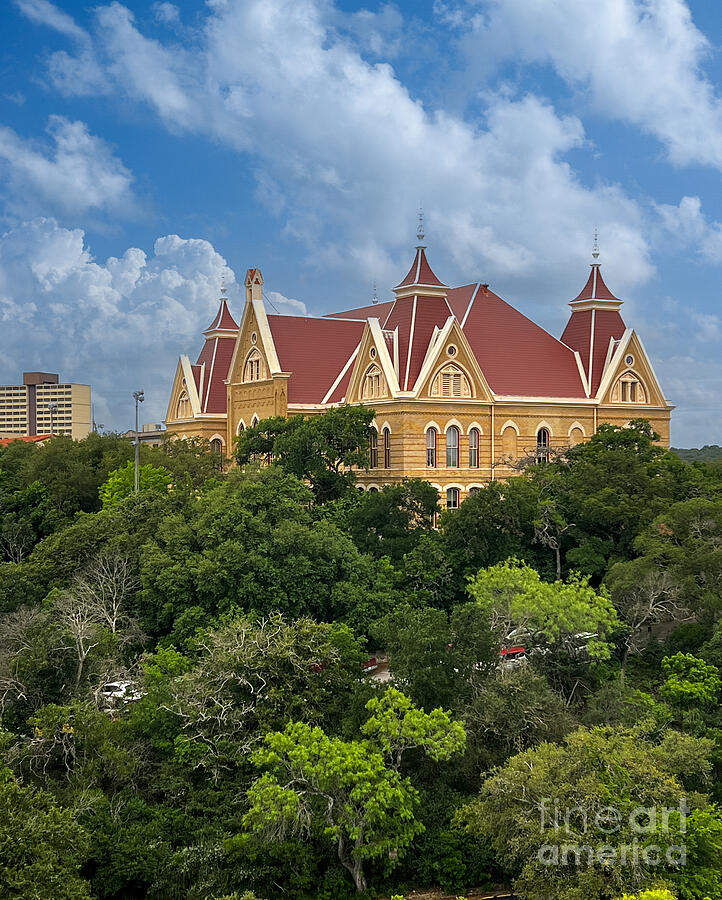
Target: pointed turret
<point>595,323</point>
<point>420,278</point>
<point>223,321</point>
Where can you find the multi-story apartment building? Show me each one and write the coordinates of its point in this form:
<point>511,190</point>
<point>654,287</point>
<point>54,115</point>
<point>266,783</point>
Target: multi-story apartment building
<point>43,406</point>
<point>464,386</point>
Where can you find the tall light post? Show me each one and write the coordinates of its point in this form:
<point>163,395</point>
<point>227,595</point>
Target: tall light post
<point>52,406</point>
<point>139,397</point>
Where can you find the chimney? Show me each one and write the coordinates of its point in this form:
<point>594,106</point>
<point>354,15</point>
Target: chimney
<point>254,285</point>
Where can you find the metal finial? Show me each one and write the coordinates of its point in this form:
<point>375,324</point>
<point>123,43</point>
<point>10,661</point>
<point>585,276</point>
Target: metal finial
<point>375,298</point>
<point>420,229</point>
<point>223,286</point>
<point>595,248</point>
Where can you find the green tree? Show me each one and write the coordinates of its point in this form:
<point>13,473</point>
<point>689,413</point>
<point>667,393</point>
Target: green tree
<point>689,680</point>
<point>41,846</point>
<point>121,482</point>
<point>521,608</point>
<point>343,787</point>
<point>323,449</point>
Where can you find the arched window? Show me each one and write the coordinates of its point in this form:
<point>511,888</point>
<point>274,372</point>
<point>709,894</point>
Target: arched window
<point>431,448</point>
<point>374,384</point>
<point>254,370</point>
<point>576,436</point>
<point>217,447</point>
<point>629,389</point>
<point>543,443</point>
<point>387,448</point>
<point>241,427</point>
<point>374,449</point>
<point>452,498</point>
<point>452,447</point>
<point>473,490</point>
<point>451,381</point>
<point>183,407</point>
<point>474,448</point>
<point>254,421</point>
<point>373,490</point>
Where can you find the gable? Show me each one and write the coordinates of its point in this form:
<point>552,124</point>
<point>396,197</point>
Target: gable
<point>630,365</point>
<point>373,376</point>
<point>185,385</point>
<point>450,369</point>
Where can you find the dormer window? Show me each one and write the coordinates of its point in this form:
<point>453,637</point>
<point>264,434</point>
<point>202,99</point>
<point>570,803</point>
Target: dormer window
<point>374,384</point>
<point>629,389</point>
<point>254,369</point>
<point>451,381</point>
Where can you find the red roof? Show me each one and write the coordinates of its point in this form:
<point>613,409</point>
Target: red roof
<point>517,356</point>
<point>223,321</point>
<point>25,438</point>
<point>595,288</point>
<point>315,351</point>
<point>416,318</point>
<point>375,311</point>
<point>420,272</point>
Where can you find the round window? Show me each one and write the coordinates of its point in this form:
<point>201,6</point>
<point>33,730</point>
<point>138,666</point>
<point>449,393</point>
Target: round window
<point>254,337</point>
<point>451,350</point>
<point>372,353</point>
<point>629,360</point>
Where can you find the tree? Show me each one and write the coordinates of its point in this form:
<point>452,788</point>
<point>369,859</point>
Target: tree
<point>106,583</point>
<point>323,449</point>
<point>365,808</point>
<point>345,787</point>
<point>690,680</point>
<point>601,789</point>
<point>41,846</point>
<point>644,595</point>
<point>121,482</point>
<point>523,608</point>
<point>652,894</point>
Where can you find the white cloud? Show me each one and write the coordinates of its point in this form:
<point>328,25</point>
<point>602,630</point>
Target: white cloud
<point>78,174</point>
<point>43,12</point>
<point>688,226</point>
<point>639,61</point>
<point>344,152</point>
<point>285,306</point>
<point>166,13</point>
<point>119,324</point>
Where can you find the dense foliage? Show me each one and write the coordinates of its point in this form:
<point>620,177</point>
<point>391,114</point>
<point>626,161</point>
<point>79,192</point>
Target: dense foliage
<point>189,699</point>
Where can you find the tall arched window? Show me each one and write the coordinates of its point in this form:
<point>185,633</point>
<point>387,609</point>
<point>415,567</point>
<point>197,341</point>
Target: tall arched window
<point>183,407</point>
<point>217,447</point>
<point>543,443</point>
<point>374,384</point>
<point>254,370</point>
<point>387,448</point>
<point>509,442</point>
<point>452,447</point>
<point>374,449</point>
<point>452,498</point>
<point>474,448</point>
<point>431,448</point>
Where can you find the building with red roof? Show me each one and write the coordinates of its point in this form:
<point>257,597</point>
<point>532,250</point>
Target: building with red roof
<point>463,384</point>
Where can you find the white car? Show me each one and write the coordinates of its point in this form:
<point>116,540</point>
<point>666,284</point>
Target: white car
<point>120,692</point>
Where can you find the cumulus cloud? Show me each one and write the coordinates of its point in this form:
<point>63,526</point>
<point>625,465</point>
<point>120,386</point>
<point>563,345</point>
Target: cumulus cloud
<point>118,324</point>
<point>78,173</point>
<point>637,61</point>
<point>688,226</point>
<point>344,153</point>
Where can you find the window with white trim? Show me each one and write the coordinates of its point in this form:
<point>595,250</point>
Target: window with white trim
<point>431,448</point>
<point>374,384</point>
<point>474,448</point>
<point>183,407</point>
<point>374,449</point>
<point>452,447</point>
<point>543,443</point>
<point>453,498</point>
<point>451,381</point>
<point>387,448</point>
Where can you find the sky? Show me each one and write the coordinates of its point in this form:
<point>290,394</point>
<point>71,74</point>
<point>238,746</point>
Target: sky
<point>148,150</point>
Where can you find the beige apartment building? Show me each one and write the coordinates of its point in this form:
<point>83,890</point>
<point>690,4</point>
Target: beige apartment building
<point>464,385</point>
<point>41,405</point>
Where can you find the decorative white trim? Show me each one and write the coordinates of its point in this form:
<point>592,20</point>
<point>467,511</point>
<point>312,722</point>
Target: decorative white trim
<point>471,303</point>
<point>430,425</point>
<point>210,374</point>
<point>411,344</point>
<point>238,427</point>
<point>544,424</point>
<point>218,437</point>
<point>372,485</point>
<point>191,385</point>
<point>582,373</point>
<point>453,484</point>
<point>254,420</point>
<point>385,425</point>
<point>576,425</point>
<point>382,356</point>
<point>509,424</point>
<point>477,426</point>
<point>455,422</point>
<point>608,377</point>
<point>473,485</point>
<point>651,367</point>
<point>437,486</point>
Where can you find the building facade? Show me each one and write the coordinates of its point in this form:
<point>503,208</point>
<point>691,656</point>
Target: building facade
<point>43,406</point>
<point>464,386</point>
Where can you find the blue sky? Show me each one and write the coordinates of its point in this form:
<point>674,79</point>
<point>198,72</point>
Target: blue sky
<point>147,149</point>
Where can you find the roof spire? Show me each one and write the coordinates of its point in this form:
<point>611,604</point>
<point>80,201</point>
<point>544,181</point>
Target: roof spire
<point>375,298</point>
<point>420,228</point>
<point>595,248</point>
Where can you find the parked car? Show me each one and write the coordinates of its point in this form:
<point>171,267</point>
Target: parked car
<point>114,692</point>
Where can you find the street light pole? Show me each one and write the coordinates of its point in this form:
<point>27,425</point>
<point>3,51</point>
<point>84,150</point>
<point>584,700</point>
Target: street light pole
<point>52,406</point>
<point>139,397</point>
